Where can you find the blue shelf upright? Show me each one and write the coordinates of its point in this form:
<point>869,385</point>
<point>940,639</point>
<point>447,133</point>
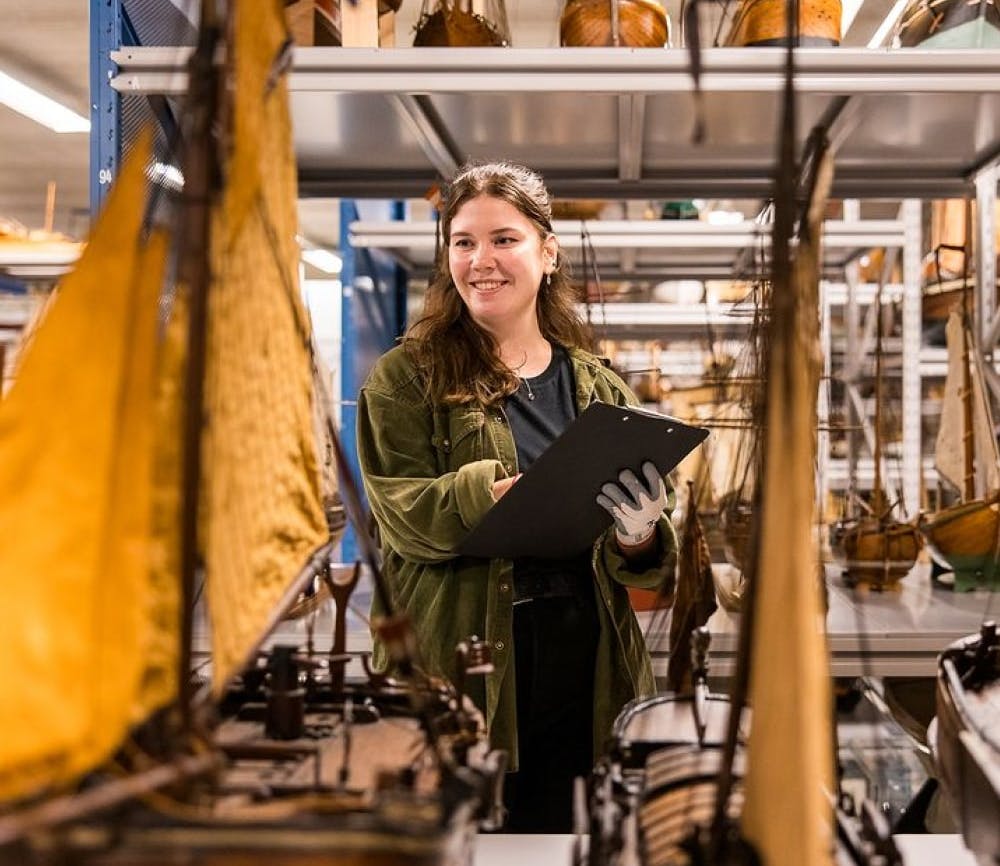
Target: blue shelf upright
<point>373,317</point>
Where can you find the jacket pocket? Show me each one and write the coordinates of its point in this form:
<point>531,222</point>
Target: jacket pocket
<point>458,438</point>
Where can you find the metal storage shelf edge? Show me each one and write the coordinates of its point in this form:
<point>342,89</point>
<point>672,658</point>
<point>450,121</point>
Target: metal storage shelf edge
<point>616,123</point>
<point>845,71</point>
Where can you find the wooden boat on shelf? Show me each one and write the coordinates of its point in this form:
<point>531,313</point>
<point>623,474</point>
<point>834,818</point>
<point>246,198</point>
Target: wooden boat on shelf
<point>462,24</point>
<point>630,23</point>
<point>967,738</point>
<point>763,23</point>
<point>966,536</point>
<point>876,550</point>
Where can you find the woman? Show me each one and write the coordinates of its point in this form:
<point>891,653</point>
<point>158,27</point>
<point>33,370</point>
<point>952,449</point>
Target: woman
<point>494,371</point>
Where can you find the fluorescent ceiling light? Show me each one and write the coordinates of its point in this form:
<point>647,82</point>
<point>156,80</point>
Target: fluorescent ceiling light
<point>326,261</point>
<point>39,107</point>
<point>887,24</point>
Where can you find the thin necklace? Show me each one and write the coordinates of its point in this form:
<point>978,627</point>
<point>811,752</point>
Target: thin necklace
<point>527,385</point>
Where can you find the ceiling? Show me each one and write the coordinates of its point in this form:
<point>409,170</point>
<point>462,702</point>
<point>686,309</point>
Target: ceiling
<point>44,43</point>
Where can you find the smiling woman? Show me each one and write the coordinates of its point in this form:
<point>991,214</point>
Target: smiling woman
<point>495,369</point>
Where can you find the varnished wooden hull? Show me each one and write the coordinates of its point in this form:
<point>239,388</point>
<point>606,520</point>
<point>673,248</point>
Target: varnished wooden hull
<point>641,24</point>
<point>662,782</point>
<point>967,749</point>
<point>965,537</point>
<point>762,22</point>
<point>457,28</point>
<point>878,554</point>
<point>289,845</point>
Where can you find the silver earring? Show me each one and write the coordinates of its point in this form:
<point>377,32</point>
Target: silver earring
<point>548,279</point>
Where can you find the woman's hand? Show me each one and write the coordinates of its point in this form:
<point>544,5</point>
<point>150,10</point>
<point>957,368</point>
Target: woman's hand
<point>502,486</point>
<point>634,505</point>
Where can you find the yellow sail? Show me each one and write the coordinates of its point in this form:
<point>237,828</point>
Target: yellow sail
<point>79,619</point>
<point>262,508</point>
<point>790,766</point>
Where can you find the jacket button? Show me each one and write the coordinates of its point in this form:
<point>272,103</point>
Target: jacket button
<point>447,443</point>
<point>499,419</point>
<point>498,645</point>
<point>508,467</point>
<point>504,587</point>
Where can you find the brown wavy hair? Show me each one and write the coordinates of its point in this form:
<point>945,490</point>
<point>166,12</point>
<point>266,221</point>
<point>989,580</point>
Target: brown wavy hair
<point>459,360</point>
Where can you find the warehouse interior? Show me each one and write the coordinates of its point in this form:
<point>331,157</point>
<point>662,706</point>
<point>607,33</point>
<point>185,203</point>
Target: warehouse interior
<point>666,203</point>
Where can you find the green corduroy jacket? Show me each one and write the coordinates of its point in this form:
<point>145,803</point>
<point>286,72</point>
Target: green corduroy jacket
<point>428,471</point>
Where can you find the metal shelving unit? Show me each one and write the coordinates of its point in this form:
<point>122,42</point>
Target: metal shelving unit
<point>617,123</point>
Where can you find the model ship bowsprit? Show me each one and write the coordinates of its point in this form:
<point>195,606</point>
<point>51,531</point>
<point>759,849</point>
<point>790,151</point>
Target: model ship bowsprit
<point>108,753</point>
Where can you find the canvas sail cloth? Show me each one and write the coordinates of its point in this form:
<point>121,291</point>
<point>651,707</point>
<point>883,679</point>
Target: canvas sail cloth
<point>261,513</point>
<point>89,628</point>
<point>788,816</point>
<point>949,456</point>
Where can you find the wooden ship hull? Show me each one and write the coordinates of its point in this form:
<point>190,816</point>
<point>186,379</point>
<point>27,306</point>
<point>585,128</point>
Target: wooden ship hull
<point>462,25</point>
<point>641,24</point>
<point>876,553</point>
<point>967,738</point>
<point>657,782</point>
<point>762,23</point>
<point>965,537</point>
<point>319,842</point>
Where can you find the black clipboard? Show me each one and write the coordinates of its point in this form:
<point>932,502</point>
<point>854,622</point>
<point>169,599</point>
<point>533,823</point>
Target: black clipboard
<point>551,511</point>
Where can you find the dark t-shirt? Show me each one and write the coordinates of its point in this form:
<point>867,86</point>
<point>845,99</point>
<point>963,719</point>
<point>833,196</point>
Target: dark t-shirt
<point>541,408</point>
<point>539,411</point>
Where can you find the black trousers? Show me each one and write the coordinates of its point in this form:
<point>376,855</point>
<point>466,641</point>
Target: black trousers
<point>555,644</point>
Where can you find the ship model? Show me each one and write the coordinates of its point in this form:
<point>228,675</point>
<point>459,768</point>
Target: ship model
<point>765,23</point>
<point>161,441</point>
<point>629,23</point>
<point>689,777</point>
<point>967,738</point>
<point>876,550</point>
<point>965,537</point>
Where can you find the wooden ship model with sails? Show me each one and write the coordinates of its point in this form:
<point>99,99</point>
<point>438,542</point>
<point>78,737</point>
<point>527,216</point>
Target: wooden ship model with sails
<point>193,456</point>
<point>966,536</point>
<point>876,550</point>
<point>689,777</point>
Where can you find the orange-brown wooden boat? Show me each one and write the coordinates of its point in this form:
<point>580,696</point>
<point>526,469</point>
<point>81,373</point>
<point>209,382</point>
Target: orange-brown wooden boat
<point>462,24</point>
<point>763,22</point>
<point>631,23</point>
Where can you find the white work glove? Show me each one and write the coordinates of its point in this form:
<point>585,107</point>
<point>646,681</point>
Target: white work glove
<point>635,507</point>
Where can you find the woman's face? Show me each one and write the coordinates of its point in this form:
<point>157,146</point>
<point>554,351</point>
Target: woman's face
<point>498,261</point>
